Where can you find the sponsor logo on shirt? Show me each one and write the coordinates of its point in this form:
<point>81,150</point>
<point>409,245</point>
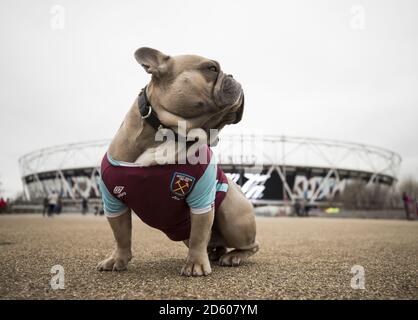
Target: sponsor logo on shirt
<point>181,184</point>
<point>118,191</point>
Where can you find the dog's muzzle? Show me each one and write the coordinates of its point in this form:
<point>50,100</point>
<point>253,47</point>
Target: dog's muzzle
<point>228,91</point>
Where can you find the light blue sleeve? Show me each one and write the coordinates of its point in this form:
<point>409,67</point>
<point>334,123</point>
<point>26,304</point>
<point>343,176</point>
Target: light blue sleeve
<point>202,197</point>
<point>112,207</point>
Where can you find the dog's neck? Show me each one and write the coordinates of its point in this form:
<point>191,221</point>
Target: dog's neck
<point>133,137</point>
<point>136,141</point>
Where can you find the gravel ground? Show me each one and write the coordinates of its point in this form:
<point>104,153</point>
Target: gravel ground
<point>300,258</point>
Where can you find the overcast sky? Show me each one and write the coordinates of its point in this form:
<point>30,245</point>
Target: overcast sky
<point>329,69</point>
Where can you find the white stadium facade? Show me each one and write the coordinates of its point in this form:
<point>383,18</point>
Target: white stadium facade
<point>269,169</point>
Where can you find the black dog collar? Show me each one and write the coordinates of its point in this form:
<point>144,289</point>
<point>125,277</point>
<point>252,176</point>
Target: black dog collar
<point>147,112</point>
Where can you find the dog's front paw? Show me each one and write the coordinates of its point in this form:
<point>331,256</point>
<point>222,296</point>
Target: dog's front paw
<point>197,266</point>
<point>117,261</point>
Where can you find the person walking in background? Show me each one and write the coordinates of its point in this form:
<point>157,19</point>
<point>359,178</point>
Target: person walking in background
<point>45,206</point>
<point>416,207</point>
<point>52,203</point>
<point>305,204</point>
<point>297,207</point>
<point>3,205</point>
<point>406,202</point>
<point>58,207</point>
<point>84,205</point>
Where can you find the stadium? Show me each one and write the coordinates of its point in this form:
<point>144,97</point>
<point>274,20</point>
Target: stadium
<point>269,168</point>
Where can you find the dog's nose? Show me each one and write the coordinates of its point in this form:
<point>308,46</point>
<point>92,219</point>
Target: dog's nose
<point>230,75</point>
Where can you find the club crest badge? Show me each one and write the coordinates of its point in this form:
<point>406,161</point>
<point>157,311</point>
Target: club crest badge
<point>181,184</point>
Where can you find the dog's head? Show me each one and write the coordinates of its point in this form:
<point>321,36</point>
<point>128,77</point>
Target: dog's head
<point>191,88</point>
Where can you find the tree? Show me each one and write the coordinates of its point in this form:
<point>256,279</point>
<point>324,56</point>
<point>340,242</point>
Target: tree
<point>358,194</point>
<point>410,187</point>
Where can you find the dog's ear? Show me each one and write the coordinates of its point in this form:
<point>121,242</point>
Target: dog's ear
<point>238,114</point>
<point>153,61</point>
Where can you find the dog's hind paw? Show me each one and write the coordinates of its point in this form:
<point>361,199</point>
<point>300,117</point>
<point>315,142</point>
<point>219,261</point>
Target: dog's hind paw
<point>232,259</point>
<point>236,257</point>
<point>215,253</point>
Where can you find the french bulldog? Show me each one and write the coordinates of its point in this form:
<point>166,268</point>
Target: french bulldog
<point>193,203</point>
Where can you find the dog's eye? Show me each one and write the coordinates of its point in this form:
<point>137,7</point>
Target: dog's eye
<point>213,68</point>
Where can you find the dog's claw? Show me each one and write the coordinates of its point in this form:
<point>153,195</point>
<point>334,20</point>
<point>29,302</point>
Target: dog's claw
<point>236,261</point>
<point>196,269</point>
<point>187,270</point>
<point>114,264</point>
<point>232,259</point>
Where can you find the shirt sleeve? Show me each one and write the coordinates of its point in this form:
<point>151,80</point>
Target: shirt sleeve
<point>112,206</point>
<point>202,197</point>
